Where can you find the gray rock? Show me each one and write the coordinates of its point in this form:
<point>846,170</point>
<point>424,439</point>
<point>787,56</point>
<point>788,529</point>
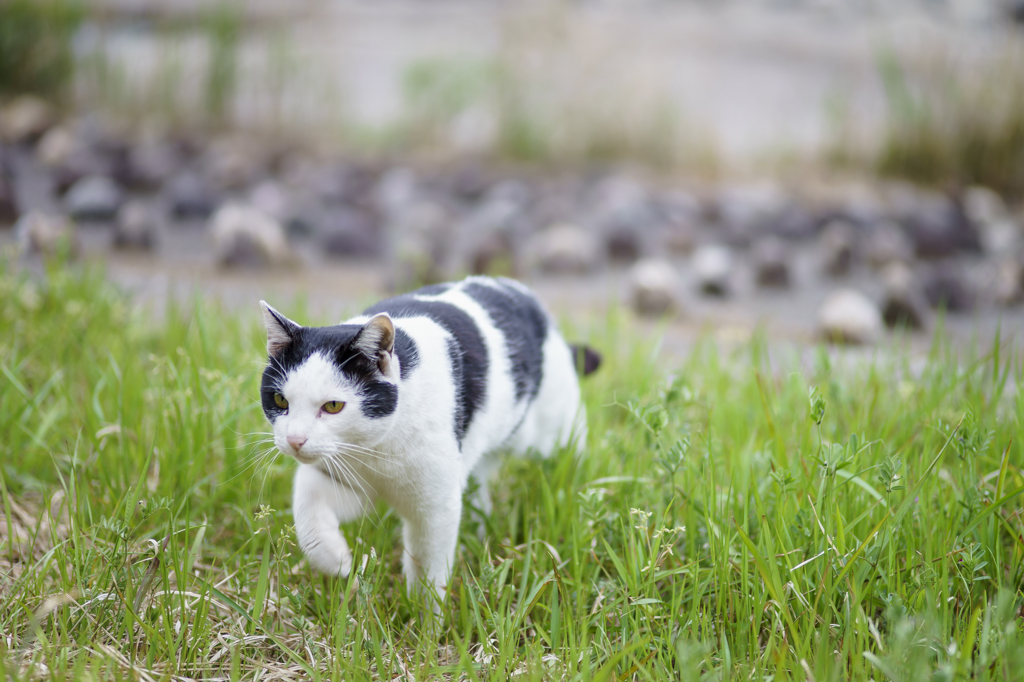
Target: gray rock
<point>46,234</point>
<point>350,233</point>
<point>189,196</point>
<point>136,227</point>
<point>153,163</point>
<point>887,243</point>
<point>744,212</point>
<point>654,286</point>
<point>835,247</point>
<point>492,234</point>
<point>95,197</point>
<point>496,255</point>
<point>397,190</point>
<point>904,303</point>
<point>25,119</point>
<point>421,245</point>
<point>622,212</point>
<point>946,286</point>
<point>793,222</point>
<point>712,267</point>
<point>939,228</point>
<point>566,248</point>
<point>771,262</point>
<point>244,236</point>
<point>848,316</point>
<point>470,183</point>
<point>234,161</point>
<point>681,218</point>
<point>1008,287</point>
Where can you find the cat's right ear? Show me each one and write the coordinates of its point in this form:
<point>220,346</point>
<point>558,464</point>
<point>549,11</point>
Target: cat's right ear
<point>280,330</point>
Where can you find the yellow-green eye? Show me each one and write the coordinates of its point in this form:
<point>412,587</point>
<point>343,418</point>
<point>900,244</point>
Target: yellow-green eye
<point>280,401</point>
<point>333,407</point>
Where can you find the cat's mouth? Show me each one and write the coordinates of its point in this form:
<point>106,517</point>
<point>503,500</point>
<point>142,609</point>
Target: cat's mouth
<point>305,459</point>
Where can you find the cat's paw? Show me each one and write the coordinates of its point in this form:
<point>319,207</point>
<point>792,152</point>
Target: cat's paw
<point>330,556</point>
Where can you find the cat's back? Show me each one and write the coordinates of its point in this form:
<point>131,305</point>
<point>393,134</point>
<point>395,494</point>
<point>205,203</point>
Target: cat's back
<point>499,344</point>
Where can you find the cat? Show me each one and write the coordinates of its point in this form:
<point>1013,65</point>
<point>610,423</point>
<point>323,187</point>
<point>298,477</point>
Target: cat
<point>406,401</point>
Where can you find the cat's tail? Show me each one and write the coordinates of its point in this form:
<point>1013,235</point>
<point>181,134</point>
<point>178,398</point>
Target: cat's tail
<point>585,358</point>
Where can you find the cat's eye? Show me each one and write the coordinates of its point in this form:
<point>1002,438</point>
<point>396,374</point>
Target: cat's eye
<point>333,407</point>
<point>280,401</point>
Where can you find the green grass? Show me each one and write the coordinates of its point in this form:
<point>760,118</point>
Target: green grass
<point>866,528</point>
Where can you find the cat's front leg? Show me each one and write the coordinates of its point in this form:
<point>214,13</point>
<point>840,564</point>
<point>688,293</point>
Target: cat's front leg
<point>320,504</point>
<point>430,541</point>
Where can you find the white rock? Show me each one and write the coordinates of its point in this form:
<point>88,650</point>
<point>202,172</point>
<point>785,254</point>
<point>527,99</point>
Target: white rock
<point>712,266</point>
<point>654,285</point>
<point>25,118</point>
<point>245,236</point>
<point>566,248</point>
<point>45,234</point>
<point>56,146</point>
<point>136,226</point>
<point>983,206</point>
<point>848,316</point>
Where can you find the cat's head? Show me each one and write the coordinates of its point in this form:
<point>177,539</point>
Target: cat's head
<point>329,391</point>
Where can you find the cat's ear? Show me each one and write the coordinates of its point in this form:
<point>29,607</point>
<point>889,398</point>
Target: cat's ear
<point>376,340</point>
<point>280,330</point>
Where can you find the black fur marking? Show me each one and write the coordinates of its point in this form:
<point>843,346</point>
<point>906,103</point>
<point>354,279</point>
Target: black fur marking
<point>470,374</point>
<point>525,327</point>
<point>380,398</point>
<point>458,369</point>
<point>407,352</point>
<point>585,358</point>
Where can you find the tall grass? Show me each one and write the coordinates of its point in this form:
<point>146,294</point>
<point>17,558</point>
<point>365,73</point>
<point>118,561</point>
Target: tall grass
<point>733,516</point>
<point>959,123</point>
<point>35,46</point>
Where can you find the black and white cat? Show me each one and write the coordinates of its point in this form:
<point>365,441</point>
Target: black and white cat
<point>408,400</point>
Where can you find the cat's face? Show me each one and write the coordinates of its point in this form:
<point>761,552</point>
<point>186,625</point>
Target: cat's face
<point>329,392</point>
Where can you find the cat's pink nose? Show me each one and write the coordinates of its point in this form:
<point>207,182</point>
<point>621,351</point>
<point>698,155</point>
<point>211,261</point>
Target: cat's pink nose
<point>296,441</point>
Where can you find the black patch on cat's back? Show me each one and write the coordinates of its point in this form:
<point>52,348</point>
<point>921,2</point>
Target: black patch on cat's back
<point>525,327</point>
<point>467,350</point>
<point>407,352</point>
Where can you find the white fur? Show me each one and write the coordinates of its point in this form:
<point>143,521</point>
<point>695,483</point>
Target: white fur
<point>412,459</point>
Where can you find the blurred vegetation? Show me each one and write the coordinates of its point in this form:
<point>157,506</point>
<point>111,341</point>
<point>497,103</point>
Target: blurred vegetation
<point>222,26</point>
<point>554,93</point>
<point>956,125</point>
<point>35,46</point>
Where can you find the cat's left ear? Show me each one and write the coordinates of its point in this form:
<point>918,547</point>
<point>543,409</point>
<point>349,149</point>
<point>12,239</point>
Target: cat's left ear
<point>280,330</point>
<point>376,340</point>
